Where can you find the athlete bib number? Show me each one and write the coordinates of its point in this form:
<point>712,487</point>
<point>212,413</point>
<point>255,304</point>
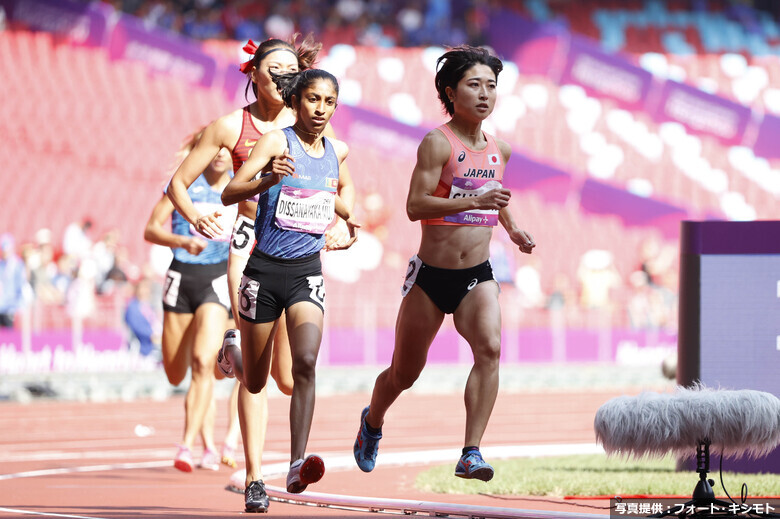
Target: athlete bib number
<point>171,287</point>
<point>411,274</point>
<point>243,237</point>
<point>247,297</point>
<point>465,187</point>
<point>305,210</point>
<point>317,287</point>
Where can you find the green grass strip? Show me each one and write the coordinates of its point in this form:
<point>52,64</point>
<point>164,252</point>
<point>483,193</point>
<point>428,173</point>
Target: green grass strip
<point>593,475</point>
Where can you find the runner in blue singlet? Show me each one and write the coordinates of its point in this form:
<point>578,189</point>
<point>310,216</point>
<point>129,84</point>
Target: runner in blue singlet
<point>284,272</point>
<point>196,305</point>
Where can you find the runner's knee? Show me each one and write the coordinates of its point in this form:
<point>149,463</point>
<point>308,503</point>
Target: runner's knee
<point>284,382</point>
<point>175,376</point>
<point>255,385</point>
<point>202,365</point>
<point>488,353</point>
<point>403,379</point>
<point>304,367</point>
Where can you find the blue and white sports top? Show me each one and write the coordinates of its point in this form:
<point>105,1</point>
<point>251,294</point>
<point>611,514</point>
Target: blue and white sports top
<point>206,200</point>
<point>292,216</point>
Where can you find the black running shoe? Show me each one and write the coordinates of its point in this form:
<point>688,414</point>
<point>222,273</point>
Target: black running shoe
<point>255,498</point>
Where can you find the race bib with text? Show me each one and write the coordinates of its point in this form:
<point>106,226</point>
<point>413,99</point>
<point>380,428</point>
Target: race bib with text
<point>305,210</point>
<point>465,187</point>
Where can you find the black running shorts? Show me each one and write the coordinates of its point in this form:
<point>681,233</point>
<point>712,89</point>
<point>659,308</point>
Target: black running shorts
<point>445,287</point>
<point>271,285</point>
<point>189,285</point>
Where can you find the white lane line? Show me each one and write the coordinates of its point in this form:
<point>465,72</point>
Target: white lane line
<point>409,507</point>
<point>93,468</point>
<point>55,455</point>
<point>46,514</point>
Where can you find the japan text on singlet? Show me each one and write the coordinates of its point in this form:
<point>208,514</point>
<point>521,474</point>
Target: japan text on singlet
<point>292,216</point>
<point>246,141</point>
<point>206,201</point>
<point>469,172</point>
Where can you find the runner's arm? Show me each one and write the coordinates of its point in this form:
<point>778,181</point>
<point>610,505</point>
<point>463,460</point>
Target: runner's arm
<point>245,182</point>
<point>155,231</point>
<point>191,168</point>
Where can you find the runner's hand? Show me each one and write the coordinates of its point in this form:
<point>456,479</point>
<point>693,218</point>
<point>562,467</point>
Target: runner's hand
<point>495,199</point>
<point>282,166</point>
<point>336,235</point>
<point>195,245</point>
<point>352,227</point>
<point>523,239</point>
<point>208,225</point>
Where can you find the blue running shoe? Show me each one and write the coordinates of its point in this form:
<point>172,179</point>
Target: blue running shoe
<point>366,445</point>
<point>472,466</point>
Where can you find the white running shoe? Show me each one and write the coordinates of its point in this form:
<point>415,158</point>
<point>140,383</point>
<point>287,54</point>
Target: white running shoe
<point>232,339</point>
<point>210,460</point>
<point>304,472</point>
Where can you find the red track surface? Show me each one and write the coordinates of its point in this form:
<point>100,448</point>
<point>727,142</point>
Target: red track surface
<point>74,437</point>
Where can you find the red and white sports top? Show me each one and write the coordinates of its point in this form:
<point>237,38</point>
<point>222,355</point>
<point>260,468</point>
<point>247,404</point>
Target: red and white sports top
<point>246,141</point>
<point>469,172</point>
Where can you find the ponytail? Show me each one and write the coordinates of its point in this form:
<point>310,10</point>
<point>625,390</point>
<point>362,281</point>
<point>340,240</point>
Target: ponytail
<point>306,54</point>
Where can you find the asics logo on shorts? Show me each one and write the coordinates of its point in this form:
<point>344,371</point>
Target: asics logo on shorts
<point>472,284</point>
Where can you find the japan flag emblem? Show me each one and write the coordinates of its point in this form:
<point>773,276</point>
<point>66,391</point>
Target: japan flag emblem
<point>493,159</point>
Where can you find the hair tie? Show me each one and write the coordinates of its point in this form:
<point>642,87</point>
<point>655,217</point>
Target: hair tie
<point>249,48</point>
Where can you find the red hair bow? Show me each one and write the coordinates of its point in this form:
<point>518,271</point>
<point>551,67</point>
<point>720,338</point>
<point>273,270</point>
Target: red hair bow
<point>249,48</point>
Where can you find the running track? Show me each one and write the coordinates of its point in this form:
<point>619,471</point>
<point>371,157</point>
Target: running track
<point>84,459</point>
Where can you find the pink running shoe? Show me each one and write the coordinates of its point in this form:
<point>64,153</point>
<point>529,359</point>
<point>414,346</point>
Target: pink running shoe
<point>210,460</point>
<point>183,460</point>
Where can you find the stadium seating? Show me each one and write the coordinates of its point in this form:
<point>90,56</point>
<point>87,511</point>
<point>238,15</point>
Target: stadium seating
<point>105,155</point>
<point>83,125</point>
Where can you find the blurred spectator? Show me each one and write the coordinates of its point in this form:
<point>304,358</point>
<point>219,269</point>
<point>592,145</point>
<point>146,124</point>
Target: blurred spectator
<point>598,277</point>
<point>80,299</point>
<point>41,267</point>
<point>502,260</point>
<point>366,22</point>
<point>279,24</point>
<point>204,24</point>
<point>104,254</point>
<point>562,295</point>
<point>653,301</point>
<point>76,241</point>
<point>528,281</point>
<point>12,281</point>
<point>643,304</point>
<point>142,319</point>
<point>656,259</point>
<point>66,271</point>
<point>249,28</point>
